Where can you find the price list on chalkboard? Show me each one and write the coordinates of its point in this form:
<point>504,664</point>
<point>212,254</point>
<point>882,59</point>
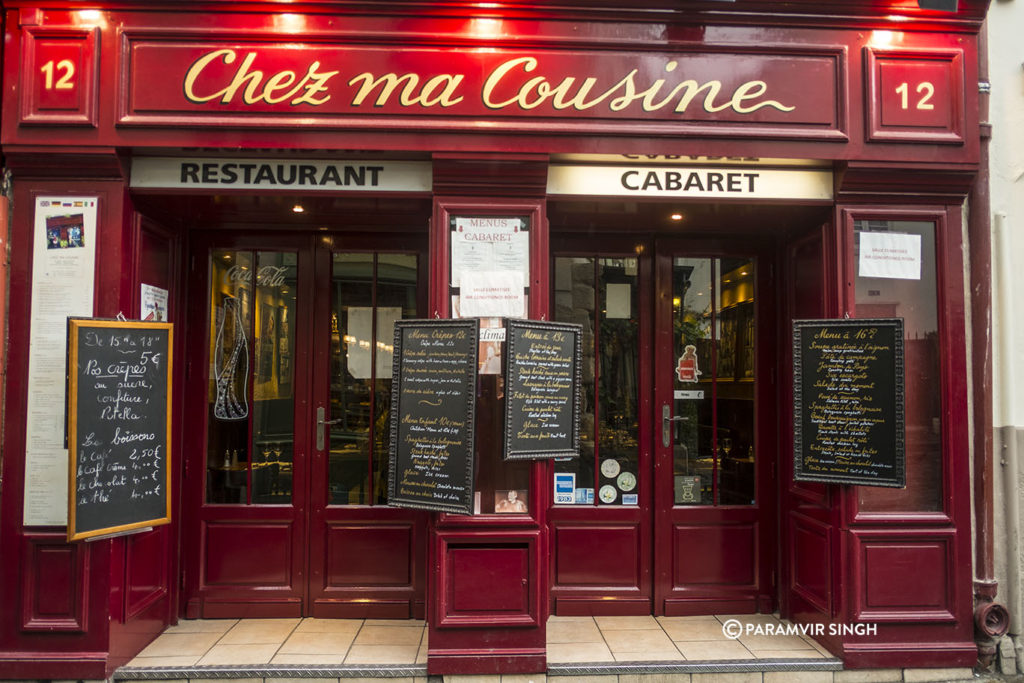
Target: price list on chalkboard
<point>849,401</point>
<point>543,393</point>
<point>118,425</point>
<point>433,406</point>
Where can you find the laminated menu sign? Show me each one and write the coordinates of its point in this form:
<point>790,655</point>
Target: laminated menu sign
<point>119,391</point>
<point>542,396</point>
<point>849,401</point>
<point>433,408</point>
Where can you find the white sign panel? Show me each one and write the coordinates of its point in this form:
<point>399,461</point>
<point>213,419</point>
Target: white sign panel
<point>497,293</point>
<point>894,255</point>
<point>719,182</point>
<point>63,268</point>
<point>489,243</point>
<point>308,175</point>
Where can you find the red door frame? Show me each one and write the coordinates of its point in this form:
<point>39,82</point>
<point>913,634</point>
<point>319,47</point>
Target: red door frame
<point>722,521</point>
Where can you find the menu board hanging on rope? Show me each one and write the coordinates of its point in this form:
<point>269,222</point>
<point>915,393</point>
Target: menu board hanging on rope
<point>849,402</point>
<point>119,426</point>
<point>433,409</point>
<point>542,395</point>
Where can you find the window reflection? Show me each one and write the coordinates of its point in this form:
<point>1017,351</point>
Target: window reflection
<point>601,295</point>
<point>252,312</point>
<point>911,295</point>
<point>713,386</point>
<point>369,293</point>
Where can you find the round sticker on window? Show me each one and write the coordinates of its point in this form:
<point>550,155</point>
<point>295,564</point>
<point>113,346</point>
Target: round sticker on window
<point>626,481</point>
<point>610,468</point>
<point>608,494</point>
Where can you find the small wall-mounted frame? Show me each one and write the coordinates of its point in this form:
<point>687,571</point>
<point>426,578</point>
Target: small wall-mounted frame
<point>914,95</point>
<point>59,77</point>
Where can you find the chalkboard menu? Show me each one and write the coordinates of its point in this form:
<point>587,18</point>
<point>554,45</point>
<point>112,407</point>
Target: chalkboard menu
<point>119,437</point>
<point>542,395</point>
<point>849,401</point>
<point>433,409</point>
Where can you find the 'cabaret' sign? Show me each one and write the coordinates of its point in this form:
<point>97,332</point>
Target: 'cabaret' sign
<point>721,182</point>
<point>326,80</point>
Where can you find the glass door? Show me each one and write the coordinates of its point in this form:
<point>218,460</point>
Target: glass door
<point>247,444</point>
<point>713,436</point>
<point>366,559</point>
<point>288,392</point>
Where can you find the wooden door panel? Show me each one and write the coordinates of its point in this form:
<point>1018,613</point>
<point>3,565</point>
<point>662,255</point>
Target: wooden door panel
<point>245,554</point>
<point>715,554</point>
<point>606,555</point>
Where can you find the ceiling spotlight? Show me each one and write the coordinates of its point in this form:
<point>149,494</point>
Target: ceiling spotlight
<point>298,208</point>
<point>676,216</point>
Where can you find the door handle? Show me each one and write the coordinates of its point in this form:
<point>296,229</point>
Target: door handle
<point>320,423</point>
<point>667,418</point>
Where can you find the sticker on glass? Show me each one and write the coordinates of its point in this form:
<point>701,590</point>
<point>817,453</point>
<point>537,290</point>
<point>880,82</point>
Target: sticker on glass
<point>610,468</point>
<point>626,481</point>
<point>608,494</point>
<point>687,370</point>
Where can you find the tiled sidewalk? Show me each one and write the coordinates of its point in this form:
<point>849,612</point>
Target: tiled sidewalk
<point>669,639</point>
<point>253,642</point>
<point>352,642</point>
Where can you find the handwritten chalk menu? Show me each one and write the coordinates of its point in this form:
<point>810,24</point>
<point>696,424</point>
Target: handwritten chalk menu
<point>433,409</point>
<point>542,396</point>
<point>849,401</point>
<point>119,436</point>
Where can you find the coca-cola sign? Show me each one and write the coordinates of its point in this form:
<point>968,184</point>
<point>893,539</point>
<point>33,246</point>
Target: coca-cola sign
<point>266,276</point>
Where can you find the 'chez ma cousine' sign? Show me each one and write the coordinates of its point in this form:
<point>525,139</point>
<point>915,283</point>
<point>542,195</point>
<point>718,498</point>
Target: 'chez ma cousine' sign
<point>335,79</point>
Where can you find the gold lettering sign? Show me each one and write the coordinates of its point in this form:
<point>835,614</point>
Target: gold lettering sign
<point>517,84</point>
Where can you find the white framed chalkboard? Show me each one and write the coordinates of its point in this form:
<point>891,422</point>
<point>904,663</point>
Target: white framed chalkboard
<point>848,402</point>
<point>118,426</point>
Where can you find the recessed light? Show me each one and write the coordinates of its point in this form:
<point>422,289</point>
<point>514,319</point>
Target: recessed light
<point>676,216</point>
<point>298,208</point>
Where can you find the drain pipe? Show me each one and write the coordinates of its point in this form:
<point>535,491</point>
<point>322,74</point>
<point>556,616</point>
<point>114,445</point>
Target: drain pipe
<point>1007,432</point>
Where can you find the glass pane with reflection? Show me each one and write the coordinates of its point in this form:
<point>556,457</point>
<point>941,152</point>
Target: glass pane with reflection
<point>617,382</point>
<point>692,424</point>
<point>734,414</point>
<point>273,396</point>
<point>229,402</point>
<point>396,299</point>
<point>351,366</point>
<point>575,302</point>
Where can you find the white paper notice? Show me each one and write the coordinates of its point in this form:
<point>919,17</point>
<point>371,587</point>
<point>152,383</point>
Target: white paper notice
<point>489,244</point>
<point>63,268</point>
<point>891,255</point>
<point>617,301</point>
<point>492,294</point>
<point>359,334</point>
<point>154,304</point>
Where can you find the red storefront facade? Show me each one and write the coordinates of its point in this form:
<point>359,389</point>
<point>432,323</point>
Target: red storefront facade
<point>300,176</point>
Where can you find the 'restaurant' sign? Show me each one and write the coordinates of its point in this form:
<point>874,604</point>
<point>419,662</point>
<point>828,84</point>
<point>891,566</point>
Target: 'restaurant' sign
<point>698,181</point>
<point>324,81</point>
<point>269,174</point>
